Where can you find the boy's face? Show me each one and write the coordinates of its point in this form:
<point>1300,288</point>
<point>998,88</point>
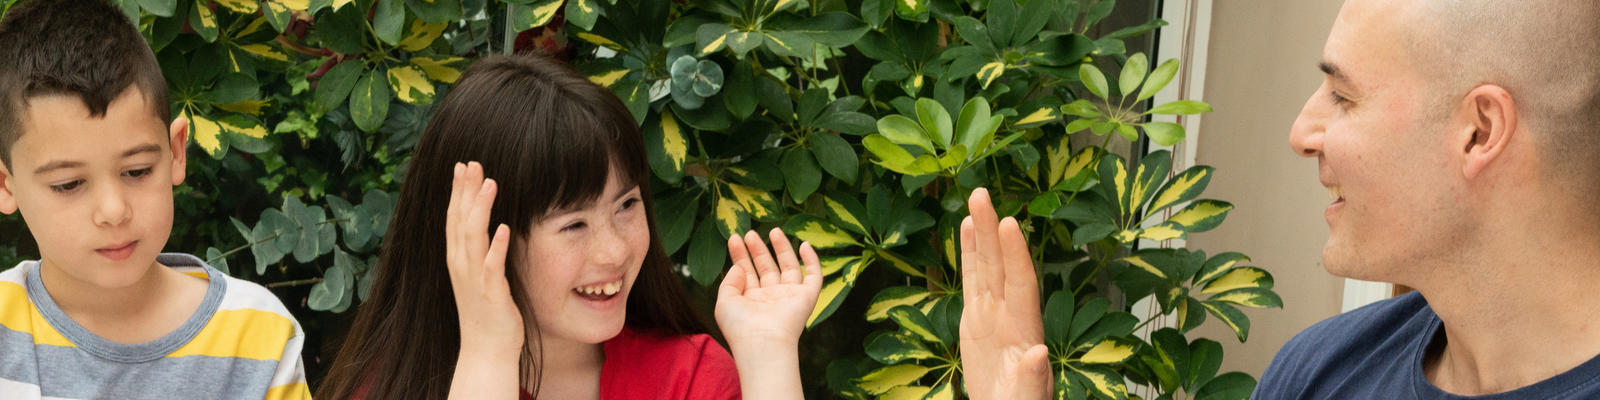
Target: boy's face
<point>95,192</point>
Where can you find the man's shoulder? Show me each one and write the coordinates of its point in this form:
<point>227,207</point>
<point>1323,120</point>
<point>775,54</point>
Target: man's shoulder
<point>1382,335</point>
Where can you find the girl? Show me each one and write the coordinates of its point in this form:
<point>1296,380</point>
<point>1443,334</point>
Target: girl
<point>572,297</point>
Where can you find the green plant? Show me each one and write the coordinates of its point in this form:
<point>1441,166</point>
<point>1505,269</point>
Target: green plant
<point>858,125</point>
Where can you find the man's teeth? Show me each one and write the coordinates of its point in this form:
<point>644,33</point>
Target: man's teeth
<point>606,289</point>
<point>1334,193</point>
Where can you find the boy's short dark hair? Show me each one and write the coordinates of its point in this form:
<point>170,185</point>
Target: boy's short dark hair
<point>87,48</point>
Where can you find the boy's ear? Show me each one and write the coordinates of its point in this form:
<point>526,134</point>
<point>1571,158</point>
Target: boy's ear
<point>178,138</point>
<point>8,202</point>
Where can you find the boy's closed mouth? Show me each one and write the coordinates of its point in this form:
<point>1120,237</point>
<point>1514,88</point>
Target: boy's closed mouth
<point>118,252</point>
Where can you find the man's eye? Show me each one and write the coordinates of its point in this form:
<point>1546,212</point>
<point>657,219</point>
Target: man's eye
<point>1338,100</point>
<point>137,173</point>
<point>66,187</point>
<point>573,226</point>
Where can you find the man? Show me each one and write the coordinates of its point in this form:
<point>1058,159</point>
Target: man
<point>1459,142</point>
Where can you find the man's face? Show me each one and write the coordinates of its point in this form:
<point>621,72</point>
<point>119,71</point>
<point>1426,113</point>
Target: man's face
<point>95,192</point>
<point>1379,148</point>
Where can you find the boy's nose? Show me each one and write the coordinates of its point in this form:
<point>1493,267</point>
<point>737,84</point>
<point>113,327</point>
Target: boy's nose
<point>111,207</point>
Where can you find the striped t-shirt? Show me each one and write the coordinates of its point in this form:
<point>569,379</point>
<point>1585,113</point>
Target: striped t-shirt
<point>240,344</point>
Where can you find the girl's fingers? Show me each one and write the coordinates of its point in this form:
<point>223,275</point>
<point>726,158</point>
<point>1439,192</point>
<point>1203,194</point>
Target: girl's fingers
<point>788,266</point>
<point>741,264</point>
<point>813,273</point>
<point>476,228</point>
<point>766,270</point>
<point>494,263</point>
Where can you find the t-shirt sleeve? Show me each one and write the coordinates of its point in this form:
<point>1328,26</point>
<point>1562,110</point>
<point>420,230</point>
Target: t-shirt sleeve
<point>715,376</point>
<point>289,382</point>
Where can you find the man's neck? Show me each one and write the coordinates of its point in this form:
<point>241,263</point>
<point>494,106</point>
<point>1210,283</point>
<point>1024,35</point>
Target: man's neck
<point>1516,312</point>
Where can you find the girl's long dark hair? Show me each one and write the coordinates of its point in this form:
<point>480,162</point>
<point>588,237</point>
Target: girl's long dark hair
<point>550,138</point>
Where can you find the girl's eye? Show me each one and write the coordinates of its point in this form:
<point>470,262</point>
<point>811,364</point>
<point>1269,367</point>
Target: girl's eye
<point>67,187</point>
<point>629,204</point>
<point>137,173</point>
<point>573,226</point>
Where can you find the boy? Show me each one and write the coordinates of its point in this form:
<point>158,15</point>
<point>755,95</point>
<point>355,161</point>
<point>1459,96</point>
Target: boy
<point>85,159</point>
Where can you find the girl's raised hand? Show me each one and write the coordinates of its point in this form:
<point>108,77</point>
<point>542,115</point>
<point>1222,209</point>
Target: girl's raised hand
<point>491,326</point>
<point>762,307</point>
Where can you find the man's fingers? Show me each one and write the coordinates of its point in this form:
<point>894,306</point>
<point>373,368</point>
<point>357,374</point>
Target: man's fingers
<point>788,266</point>
<point>987,225</point>
<point>1034,373</point>
<point>972,270</point>
<point>1020,283</point>
<point>765,267</point>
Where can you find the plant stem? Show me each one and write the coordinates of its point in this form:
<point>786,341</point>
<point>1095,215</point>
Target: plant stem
<point>307,281</point>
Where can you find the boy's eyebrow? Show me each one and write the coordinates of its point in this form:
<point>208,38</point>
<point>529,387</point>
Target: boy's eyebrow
<point>55,165</point>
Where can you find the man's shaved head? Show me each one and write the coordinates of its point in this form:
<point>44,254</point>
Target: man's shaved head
<point>1546,53</point>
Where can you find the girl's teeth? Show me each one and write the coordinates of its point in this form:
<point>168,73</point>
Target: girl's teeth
<point>601,290</point>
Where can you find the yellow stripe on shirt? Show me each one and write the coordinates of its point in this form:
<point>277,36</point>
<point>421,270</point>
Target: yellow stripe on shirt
<point>17,313</point>
<point>242,333</point>
<point>292,391</point>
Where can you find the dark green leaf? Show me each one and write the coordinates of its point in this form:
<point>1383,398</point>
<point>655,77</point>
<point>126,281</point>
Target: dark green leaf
<point>1205,358</point>
<point>708,251</point>
<point>1229,386</point>
<point>582,13</point>
<point>1085,317</point>
<point>342,31</point>
<point>801,174</point>
<point>832,29</point>
<point>336,85</point>
<point>159,8</point>
<point>1091,232</point>
<point>235,88</point>
<point>437,11</point>
<point>389,21</point>
<point>1058,318</point>
<point>675,213</point>
<point>740,92</point>
<point>835,155</point>
<point>772,96</point>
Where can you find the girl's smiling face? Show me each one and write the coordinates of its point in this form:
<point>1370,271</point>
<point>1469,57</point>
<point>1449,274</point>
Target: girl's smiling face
<point>578,264</point>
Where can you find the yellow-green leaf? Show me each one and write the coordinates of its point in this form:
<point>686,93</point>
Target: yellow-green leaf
<point>1043,114</point>
<point>338,4</point>
<point>1243,277</point>
<point>731,217</point>
<point>843,215</point>
<point>439,68</point>
<point>1126,235</point>
<point>677,148</point>
<point>246,127</point>
<point>599,40</point>
<point>821,234</point>
<point>1228,260</point>
<point>1108,352</point>
<point>760,204</point>
<point>207,19</point>
<point>206,132</point>
<point>830,292</point>
<point>410,85</point>
<point>900,264</point>
<point>252,107</point>
<point>832,265</point>
<point>543,13</point>
<point>1108,384</point>
<point>911,321</point>
<point>1200,214</point>
<point>906,393</point>
<point>1235,319</point>
<point>421,35</point>
<point>945,391</point>
<point>1180,188</point>
<point>1140,262</point>
<point>900,296</point>
<point>253,27</point>
<point>886,378</point>
<point>1249,297</point>
<point>608,78</point>
<point>1160,233</point>
<point>716,44</point>
<point>266,51</point>
<point>990,72</point>
<point>296,5</point>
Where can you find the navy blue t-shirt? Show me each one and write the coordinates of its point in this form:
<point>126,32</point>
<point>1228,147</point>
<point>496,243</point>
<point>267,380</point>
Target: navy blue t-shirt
<point>1375,352</point>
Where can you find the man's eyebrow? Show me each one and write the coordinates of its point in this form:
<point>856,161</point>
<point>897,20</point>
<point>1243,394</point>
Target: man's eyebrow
<point>1333,71</point>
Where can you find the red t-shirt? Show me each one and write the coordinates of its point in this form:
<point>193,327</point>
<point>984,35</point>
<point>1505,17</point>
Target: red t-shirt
<point>644,366</point>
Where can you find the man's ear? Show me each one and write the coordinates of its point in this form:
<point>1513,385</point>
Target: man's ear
<point>1492,117</point>
<point>178,138</point>
<point>8,201</point>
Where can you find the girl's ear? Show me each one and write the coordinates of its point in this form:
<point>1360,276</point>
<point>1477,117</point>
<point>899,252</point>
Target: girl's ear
<point>178,138</point>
